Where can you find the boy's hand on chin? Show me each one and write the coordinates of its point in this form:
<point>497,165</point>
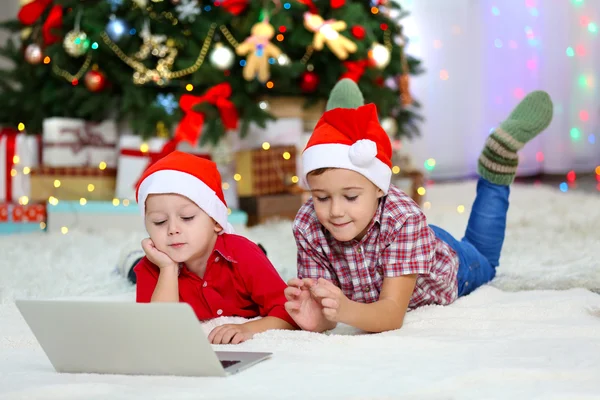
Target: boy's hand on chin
<point>157,257</point>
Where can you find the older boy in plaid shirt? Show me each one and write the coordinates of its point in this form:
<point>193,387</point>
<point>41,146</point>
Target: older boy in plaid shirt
<point>366,254</point>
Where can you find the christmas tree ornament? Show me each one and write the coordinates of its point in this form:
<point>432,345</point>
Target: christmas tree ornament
<point>26,32</point>
<point>116,28</point>
<point>141,3</point>
<point>33,54</point>
<point>162,131</point>
<point>309,82</point>
<point>188,10</point>
<point>221,57</point>
<point>160,47</point>
<point>403,81</point>
<point>379,55</point>
<point>235,7</point>
<point>328,33</point>
<point>114,4</point>
<point>404,86</point>
<point>76,42</point>
<point>95,81</point>
<point>359,32</point>
<point>258,50</point>
<point>390,126</point>
<point>283,60</point>
<point>167,102</point>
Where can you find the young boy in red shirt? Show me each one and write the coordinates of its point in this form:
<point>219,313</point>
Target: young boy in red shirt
<point>366,253</point>
<point>193,256</point>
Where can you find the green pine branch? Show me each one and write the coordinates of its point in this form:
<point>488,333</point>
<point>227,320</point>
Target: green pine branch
<point>31,93</point>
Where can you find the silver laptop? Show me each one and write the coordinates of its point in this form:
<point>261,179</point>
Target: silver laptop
<point>110,337</point>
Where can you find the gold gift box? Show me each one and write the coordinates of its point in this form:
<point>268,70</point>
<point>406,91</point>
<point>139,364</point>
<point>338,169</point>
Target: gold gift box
<point>73,183</point>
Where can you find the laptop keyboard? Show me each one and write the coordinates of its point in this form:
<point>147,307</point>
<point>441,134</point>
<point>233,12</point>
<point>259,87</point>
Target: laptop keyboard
<point>229,363</point>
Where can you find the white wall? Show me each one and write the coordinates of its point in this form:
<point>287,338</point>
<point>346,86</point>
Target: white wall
<point>495,51</point>
<point>8,10</point>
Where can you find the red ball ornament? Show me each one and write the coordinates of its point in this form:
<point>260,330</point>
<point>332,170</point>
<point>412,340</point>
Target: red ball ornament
<point>358,32</point>
<point>309,82</point>
<point>95,81</point>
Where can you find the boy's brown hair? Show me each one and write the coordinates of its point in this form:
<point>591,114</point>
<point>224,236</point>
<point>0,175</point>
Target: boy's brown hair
<point>318,171</point>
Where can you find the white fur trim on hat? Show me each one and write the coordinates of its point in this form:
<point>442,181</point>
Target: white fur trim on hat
<point>172,181</point>
<point>360,157</point>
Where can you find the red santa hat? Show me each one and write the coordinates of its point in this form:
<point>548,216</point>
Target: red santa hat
<point>188,175</point>
<point>349,136</point>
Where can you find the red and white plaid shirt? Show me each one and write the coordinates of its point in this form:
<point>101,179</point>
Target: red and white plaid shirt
<point>398,242</point>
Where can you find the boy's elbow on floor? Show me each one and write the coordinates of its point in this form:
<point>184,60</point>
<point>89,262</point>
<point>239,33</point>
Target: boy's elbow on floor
<point>397,324</point>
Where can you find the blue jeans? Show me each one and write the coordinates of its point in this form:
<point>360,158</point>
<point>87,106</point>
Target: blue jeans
<point>479,250</point>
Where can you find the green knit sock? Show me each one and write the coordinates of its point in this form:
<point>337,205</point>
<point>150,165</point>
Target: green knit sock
<point>499,160</point>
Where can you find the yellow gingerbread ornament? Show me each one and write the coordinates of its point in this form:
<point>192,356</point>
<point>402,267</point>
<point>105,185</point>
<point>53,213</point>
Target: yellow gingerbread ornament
<point>258,50</point>
<point>328,32</point>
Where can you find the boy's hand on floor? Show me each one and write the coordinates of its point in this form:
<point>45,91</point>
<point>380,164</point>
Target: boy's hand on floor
<point>331,298</point>
<point>157,257</point>
<point>304,308</point>
<point>230,333</point>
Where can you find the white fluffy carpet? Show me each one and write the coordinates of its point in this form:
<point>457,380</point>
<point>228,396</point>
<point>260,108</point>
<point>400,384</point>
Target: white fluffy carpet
<point>540,342</point>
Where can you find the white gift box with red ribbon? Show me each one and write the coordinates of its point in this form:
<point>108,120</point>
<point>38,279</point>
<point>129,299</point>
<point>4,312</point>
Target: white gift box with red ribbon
<point>18,154</point>
<point>136,154</point>
<point>70,142</point>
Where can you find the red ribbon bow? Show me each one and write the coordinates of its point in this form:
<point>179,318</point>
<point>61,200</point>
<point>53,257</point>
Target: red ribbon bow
<point>190,127</point>
<point>355,69</point>
<point>31,12</point>
<point>11,148</point>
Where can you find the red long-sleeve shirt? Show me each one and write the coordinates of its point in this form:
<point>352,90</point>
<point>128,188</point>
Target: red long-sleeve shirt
<point>239,281</point>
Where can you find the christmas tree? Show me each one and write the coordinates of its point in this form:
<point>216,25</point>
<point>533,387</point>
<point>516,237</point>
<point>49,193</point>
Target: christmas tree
<point>200,66</point>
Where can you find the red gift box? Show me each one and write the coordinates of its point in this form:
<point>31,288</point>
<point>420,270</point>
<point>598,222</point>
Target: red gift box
<point>22,213</point>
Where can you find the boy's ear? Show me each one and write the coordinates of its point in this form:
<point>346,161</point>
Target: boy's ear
<point>218,228</point>
<point>380,193</point>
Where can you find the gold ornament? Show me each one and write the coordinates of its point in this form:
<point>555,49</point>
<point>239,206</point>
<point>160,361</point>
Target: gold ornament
<point>162,131</point>
<point>259,50</point>
<point>26,32</point>
<point>160,47</point>
<point>76,43</point>
<point>142,70</point>
<point>328,32</point>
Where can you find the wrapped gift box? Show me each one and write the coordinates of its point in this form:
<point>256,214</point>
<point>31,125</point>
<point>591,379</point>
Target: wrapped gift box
<point>135,154</point>
<point>296,107</point>
<point>281,132</point>
<point>22,218</point>
<point>261,209</point>
<point>261,172</point>
<point>73,183</point>
<point>18,154</point>
<point>71,142</point>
